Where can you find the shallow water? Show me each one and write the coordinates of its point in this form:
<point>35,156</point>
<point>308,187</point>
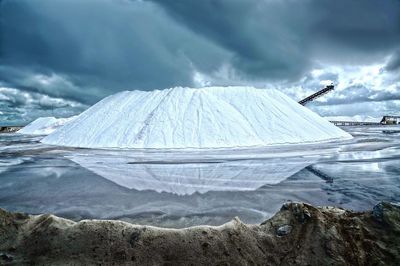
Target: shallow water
<point>177,189</point>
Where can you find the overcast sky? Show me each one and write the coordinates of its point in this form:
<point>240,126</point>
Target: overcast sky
<point>59,57</point>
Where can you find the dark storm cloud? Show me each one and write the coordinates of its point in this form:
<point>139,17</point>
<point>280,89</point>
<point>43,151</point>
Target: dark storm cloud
<point>19,107</point>
<point>82,51</point>
<point>394,62</point>
<point>110,45</point>
<point>359,30</point>
<point>281,38</point>
<point>267,39</point>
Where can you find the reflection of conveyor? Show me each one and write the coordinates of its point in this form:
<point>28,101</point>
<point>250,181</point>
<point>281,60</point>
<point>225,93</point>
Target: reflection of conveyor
<point>320,174</point>
<point>312,97</point>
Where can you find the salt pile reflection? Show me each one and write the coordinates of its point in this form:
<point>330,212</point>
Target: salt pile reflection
<point>186,178</point>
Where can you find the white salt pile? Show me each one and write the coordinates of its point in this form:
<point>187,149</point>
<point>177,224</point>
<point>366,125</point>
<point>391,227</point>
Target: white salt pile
<point>44,125</point>
<point>211,117</point>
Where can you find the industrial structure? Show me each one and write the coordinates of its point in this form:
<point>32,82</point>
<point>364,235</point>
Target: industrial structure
<point>312,97</point>
<point>386,120</point>
<point>390,120</point>
<point>9,129</point>
<point>355,123</point>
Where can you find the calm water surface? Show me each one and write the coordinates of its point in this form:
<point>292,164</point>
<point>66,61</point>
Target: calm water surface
<point>177,189</point>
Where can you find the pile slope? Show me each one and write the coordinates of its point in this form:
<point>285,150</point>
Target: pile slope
<point>44,125</point>
<point>211,117</point>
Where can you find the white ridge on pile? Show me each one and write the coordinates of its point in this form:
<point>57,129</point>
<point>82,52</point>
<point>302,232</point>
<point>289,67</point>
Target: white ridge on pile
<point>44,125</point>
<point>211,117</point>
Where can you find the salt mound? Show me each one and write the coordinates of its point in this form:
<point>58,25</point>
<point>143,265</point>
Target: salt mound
<point>44,125</point>
<point>212,117</point>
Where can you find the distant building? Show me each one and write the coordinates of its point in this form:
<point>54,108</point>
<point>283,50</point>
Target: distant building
<point>390,120</point>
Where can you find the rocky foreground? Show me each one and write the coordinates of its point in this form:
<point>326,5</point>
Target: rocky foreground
<point>298,234</point>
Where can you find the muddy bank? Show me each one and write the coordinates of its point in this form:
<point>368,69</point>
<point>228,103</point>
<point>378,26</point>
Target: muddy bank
<point>298,234</point>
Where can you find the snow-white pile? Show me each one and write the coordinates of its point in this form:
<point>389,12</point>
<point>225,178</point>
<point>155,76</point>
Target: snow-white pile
<point>44,125</point>
<point>212,117</point>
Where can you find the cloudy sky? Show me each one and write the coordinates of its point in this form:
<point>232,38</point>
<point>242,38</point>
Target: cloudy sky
<point>59,57</point>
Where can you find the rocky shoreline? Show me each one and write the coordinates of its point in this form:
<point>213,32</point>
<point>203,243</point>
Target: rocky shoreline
<point>298,234</point>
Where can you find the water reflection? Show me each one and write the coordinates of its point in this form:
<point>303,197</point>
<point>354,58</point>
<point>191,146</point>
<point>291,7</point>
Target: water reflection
<point>185,178</point>
<point>183,189</point>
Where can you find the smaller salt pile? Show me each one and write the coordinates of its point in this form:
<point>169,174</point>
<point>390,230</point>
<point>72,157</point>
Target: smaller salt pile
<point>188,118</point>
<point>44,125</point>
